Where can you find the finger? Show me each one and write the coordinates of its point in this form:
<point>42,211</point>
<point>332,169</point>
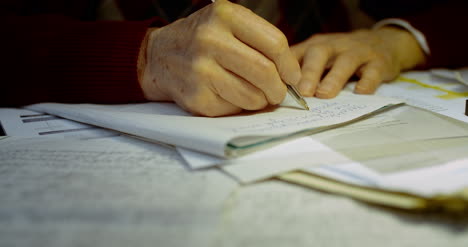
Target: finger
<point>300,49</point>
<point>261,35</point>
<point>313,65</point>
<point>206,103</point>
<point>190,89</point>
<point>343,68</point>
<point>371,78</point>
<point>252,66</point>
<point>237,91</point>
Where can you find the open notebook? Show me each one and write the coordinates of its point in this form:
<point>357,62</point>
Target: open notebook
<point>225,137</point>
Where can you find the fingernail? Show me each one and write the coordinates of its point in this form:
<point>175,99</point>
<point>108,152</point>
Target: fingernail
<point>324,92</point>
<point>358,89</point>
<point>363,90</point>
<point>307,88</point>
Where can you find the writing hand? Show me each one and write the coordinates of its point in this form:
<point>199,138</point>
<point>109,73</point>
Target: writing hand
<point>373,55</point>
<point>218,61</point>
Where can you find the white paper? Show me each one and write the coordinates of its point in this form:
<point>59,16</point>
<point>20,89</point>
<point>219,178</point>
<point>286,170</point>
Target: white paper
<point>439,180</point>
<point>275,214</point>
<point>166,123</point>
<point>398,139</point>
<point>268,163</point>
<point>248,171</point>
<point>461,75</point>
<point>384,144</point>
<point>446,97</point>
<point>391,148</point>
<point>26,123</point>
<point>285,150</point>
<point>425,174</point>
<point>115,191</point>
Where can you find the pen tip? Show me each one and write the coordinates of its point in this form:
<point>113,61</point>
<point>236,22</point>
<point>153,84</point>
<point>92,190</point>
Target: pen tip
<point>305,105</point>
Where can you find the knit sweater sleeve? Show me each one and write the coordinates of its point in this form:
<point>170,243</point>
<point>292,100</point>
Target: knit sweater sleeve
<point>54,58</point>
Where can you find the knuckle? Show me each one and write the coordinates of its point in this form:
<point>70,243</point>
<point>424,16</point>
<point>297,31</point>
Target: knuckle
<point>317,54</point>
<point>255,101</point>
<point>311,74</point>
<point>204,36</point>
<point>372,73</point>
<point>316,37</point>
<point>279,41</point>
<point>381,57</point>
<point>317,49</point>
<point>311,70</point>
<point>325,50</point>
<point>279,44</point>
<point>201,104</point>
<point>201,68</point>
<point>325,38</point>
<point>222,11</point>
<point>266,66</point>
<point>375,55</point>
<point>350,59</point>
<point>279,95</point>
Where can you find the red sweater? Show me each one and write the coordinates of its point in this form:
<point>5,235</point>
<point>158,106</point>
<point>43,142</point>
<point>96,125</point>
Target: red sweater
<point>60,56</point>
<point>54,50</point>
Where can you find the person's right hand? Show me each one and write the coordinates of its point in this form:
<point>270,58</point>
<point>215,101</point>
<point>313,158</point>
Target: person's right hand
<point>218,61</point>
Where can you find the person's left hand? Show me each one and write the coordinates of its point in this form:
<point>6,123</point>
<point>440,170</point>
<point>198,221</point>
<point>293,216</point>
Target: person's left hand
<point>373,55</point>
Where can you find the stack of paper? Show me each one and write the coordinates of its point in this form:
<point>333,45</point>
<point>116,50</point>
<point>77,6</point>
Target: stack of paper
<point>427,91</point>
<point>427,169</point>
<point>225,136</point>
<point>391,158</point>
<point>406,158</point>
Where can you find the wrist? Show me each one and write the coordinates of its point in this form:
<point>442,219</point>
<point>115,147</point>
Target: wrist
<point>146,78</point>
<point>142,57</point>
<point>404,47</point>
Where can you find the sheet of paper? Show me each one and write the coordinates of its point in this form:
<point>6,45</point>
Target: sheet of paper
<point>267,163</point>
<point>115,191</point>
<point>434,172</point>
<point>391,142</point>
<point>406,141</point>
<point>166,123</point>
<point>137,194</point>
<point>275,214</point>
<point>461,75</point>
<point>421,89</point>
<point>445,179</point>
<point>442,178</point>
<point>26,123</point>
<point>285,150</point>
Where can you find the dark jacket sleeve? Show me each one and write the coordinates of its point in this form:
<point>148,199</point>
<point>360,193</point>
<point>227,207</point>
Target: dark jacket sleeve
<point>441,21</point>
<point>61,59</point>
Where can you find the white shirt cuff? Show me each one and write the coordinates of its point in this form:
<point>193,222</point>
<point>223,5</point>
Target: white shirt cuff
<point>418,35</point>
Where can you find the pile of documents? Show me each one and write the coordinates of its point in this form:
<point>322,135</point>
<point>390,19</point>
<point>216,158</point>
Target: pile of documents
<point>405,147</point>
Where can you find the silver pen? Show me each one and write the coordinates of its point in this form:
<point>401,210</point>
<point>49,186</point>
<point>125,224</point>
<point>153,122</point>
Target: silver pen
<point>293,92</point>
<point>297,96</point>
